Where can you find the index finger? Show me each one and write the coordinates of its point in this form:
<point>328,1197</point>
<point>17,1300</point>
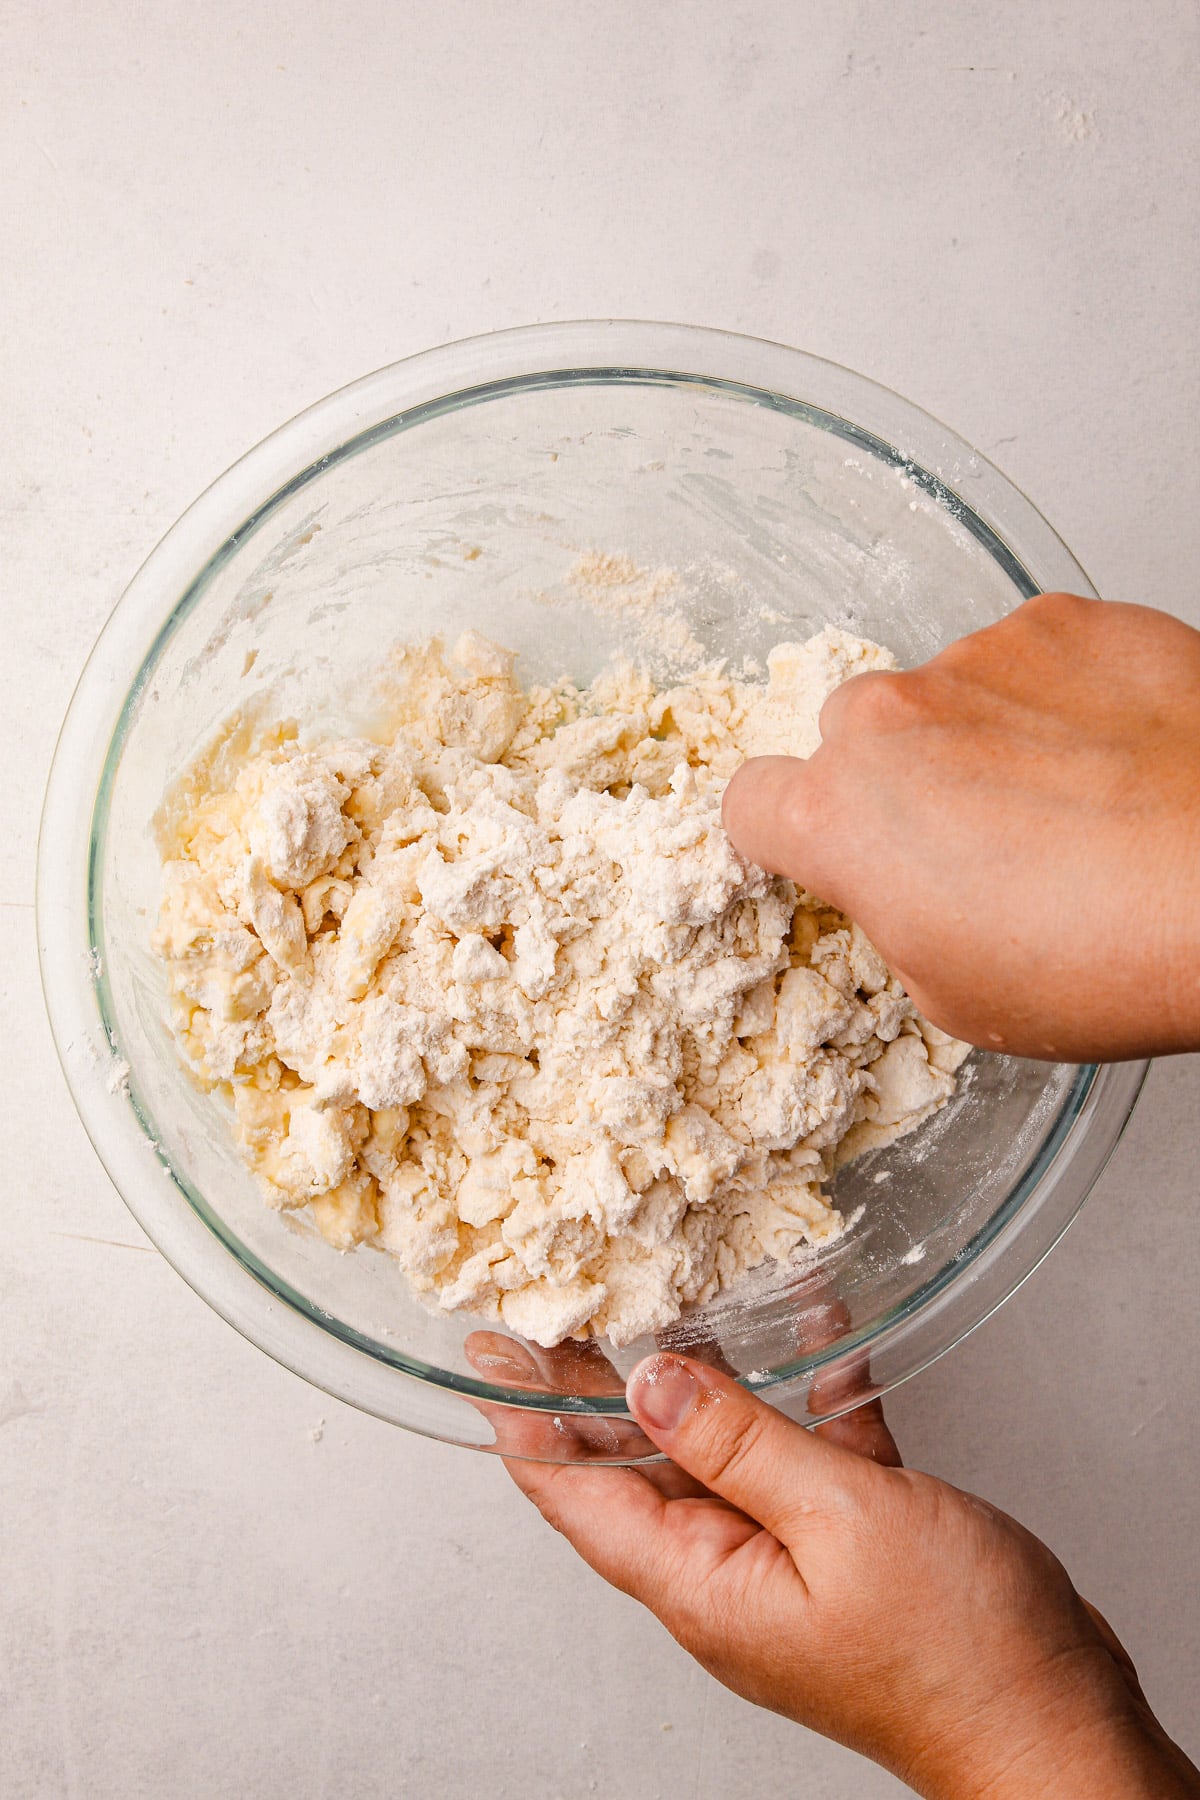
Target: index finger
<point>849,1391</point>
<point>772,812</point>
<point>559,1437</point>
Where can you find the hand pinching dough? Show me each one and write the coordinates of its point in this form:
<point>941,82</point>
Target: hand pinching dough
<point>500,998</point>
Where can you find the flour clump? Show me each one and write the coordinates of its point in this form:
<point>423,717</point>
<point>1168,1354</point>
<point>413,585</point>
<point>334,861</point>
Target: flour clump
<point>499,997</point>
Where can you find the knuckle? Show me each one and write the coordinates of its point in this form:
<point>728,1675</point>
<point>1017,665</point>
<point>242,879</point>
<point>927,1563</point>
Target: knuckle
<point>883,700</point>
<point>734,1444</point>
<point>550,1511</point>
<point>958,655</point>
<point>549,1490</point>
<point>835,707</point>
<point>1058,610</point>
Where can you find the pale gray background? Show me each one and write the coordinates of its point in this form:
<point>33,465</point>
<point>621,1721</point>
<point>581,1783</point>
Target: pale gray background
<point>214,215</point>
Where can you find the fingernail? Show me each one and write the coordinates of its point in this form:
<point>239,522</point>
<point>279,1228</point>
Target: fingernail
<point>662,1391</point>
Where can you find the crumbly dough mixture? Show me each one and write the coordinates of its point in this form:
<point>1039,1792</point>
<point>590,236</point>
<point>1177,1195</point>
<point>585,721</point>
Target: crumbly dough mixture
<point>499,997</point>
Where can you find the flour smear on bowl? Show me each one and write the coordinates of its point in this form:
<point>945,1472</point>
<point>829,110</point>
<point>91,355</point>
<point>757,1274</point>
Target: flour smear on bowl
<point>497,995</point>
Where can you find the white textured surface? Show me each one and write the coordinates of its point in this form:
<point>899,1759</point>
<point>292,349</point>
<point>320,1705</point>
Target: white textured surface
<point>212,217</point>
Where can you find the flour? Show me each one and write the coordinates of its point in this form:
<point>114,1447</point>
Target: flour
<point>499,997</point>
<point>647,601</point>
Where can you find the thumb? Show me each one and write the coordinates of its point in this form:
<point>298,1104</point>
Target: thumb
<point>770,812</point>
<point>742,1449</point>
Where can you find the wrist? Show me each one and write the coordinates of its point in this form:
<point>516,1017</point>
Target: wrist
<point>1043,1748</point>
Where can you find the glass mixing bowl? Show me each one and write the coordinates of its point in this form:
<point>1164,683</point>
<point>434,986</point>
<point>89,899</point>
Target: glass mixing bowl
<point>455,490</point>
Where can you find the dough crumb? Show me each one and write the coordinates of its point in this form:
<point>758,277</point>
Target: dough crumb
<point>499,997</point>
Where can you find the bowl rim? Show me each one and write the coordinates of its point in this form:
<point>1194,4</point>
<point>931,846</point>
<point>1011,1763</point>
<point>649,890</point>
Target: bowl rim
<point>69,898</point>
